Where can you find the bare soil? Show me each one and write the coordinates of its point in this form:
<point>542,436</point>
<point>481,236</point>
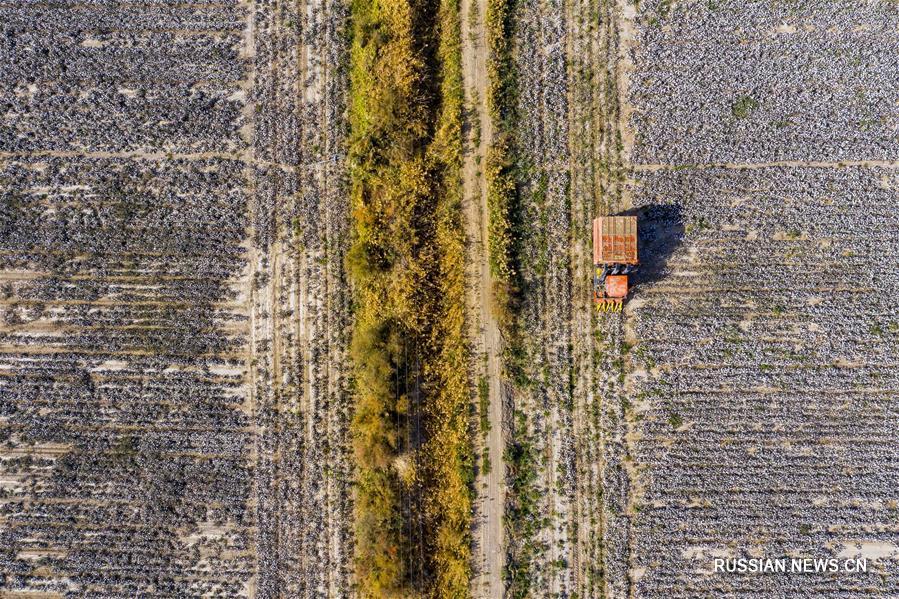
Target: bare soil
<point>488,551</point>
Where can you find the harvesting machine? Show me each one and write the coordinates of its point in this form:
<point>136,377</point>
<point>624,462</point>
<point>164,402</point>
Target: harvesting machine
<point>614,258</point>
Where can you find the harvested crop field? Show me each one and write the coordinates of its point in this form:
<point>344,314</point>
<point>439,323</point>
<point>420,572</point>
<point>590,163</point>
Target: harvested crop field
<point>760,415</point>
<point>744,403</point>
<point>175,316</point>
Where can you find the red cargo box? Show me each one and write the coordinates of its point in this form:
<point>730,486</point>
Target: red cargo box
<point>615,240</point>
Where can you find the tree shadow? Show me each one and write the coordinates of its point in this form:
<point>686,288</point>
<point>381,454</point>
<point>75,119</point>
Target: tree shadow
<point>660,230</point>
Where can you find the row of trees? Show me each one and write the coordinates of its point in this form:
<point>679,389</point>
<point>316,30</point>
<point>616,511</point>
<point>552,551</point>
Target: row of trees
<point>411,425</point>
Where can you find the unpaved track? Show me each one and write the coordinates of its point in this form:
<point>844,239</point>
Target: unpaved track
<point>488,522</point>
<point>614,465</point>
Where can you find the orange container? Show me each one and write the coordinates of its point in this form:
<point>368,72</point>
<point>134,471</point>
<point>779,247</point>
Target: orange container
<point>616,286</point>
<point>615,240</point>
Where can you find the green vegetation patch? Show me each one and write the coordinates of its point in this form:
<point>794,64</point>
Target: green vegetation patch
<point>744,106</point>
<point>406,264</point>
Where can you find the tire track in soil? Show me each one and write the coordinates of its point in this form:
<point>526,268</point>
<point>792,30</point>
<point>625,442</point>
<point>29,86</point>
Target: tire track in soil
<point>600,559</point>
<point>585,129</point>
<point>323,305</point>
<point>301,306</point>
<point>546,402</point>
<point>616,465</point>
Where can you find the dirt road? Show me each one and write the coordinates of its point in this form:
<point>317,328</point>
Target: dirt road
<point>488,523</point>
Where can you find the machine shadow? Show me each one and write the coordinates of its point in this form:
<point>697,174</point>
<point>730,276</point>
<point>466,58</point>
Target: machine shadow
<point>660,230</point>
